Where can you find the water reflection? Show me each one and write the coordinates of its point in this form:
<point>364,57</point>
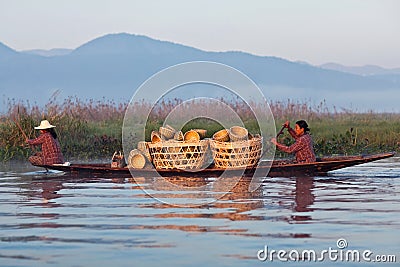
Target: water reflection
<point>45,190</point>
<point>239,197</point>
<point>95,217</point>
<point>224,198</point>
<point>304,198</point>
<point>49,189</point>
<point>230,197</point>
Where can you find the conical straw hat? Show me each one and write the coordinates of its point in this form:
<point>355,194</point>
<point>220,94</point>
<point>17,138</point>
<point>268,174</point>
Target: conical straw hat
<point>44,124</point>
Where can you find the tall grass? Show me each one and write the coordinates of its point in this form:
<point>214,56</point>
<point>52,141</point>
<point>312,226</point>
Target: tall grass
<point>86,129</point>
<point>90,129</point>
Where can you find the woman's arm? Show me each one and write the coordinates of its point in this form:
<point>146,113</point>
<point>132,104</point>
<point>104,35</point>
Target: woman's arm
<point>298,145</point>
<point>37,141</point>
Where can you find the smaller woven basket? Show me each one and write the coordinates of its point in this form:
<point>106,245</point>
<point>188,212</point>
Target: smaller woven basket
<point>167,132</point>
<point>156,137</point>
<point>170,127</point>
<point>144,148</point>
<point>191,136</point>
<point>237,133</point>
<point>201,132</point>
<point>178,136</point>
<point>221,136</point>
<point>136,159</point>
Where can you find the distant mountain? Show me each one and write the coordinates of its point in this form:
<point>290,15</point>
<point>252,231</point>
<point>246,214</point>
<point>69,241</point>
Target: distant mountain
<point>49,53</point>
<point>367,70</point>
<point>6,51</point>
<point>114,65</point>
<point>372,71</point>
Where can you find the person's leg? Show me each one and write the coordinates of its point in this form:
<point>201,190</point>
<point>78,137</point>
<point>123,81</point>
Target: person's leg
<point>36,160</point>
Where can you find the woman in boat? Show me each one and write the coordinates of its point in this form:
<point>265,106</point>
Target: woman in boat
<point>51,152</point>
<point>303,146</point>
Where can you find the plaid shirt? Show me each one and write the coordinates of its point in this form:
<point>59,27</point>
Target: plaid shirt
<point>50,148</point>
<point>303,147</point>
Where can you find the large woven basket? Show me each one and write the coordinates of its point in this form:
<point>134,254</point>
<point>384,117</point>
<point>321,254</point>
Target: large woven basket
<point>241,154</point>
<point>237,133</point>
<point>179,155</point>
<point>221,136</point>
<point>136,159</point>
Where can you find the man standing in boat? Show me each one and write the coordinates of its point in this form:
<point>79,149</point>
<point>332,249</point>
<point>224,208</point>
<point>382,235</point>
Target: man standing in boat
<point>303,146</point>
<point>51,152</point>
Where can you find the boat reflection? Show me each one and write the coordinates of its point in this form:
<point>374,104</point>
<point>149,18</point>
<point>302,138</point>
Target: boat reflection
<point>228,199</point>
<point>216,202</point>
<point>40,195</point>
<point>237,194</point>
<point>46,190</point>
<point>231,197</point>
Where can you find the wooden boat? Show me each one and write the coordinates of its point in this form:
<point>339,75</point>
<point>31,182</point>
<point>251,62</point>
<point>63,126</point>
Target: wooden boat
<point>277,168</point>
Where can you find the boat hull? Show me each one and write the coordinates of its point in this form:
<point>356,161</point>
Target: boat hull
<point>271,169</point>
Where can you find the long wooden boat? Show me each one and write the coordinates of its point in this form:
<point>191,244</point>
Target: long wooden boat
<point>277,168</point>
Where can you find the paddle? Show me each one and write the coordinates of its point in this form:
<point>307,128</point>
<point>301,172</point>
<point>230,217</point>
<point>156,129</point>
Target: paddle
<point>281,131</point>
<point>22,130</point>
<point>24,134</point>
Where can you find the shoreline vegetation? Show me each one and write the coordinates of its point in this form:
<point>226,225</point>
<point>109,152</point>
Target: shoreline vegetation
<point>91,130</point>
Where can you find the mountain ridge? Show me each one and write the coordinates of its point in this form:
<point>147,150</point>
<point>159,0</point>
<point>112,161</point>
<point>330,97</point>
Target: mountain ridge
<point>114,65</point>
<point>365,70</point>
<point>48,53</point>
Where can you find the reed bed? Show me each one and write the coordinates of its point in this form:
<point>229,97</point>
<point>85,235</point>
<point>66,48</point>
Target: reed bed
<point>90,130</point>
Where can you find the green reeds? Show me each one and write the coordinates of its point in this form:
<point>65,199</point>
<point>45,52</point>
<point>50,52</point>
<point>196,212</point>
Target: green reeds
<point>90,130</point>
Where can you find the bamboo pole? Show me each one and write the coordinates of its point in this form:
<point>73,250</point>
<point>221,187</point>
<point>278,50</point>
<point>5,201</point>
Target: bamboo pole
<point>24,134</point>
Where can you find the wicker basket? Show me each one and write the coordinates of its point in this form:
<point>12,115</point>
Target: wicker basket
<point>167,132</point>
<point>221,136</point>
<point>144,148</point>
<point>178,136</point>
<point>156,137</point>
<point>237,133</point>
<point>201,132</point>
<point>191,136</point>
<point>179,155</point>
<point>136,159</point>
<point>170,127</point>
<point>239,154</point>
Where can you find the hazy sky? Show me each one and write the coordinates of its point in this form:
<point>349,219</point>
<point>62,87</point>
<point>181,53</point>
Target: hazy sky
<point>350,32</point>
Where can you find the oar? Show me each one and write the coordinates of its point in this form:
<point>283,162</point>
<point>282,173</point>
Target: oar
<point>281,131</point>
<point>24,134</point>
<point>262,155</point>
<point>22,130</point>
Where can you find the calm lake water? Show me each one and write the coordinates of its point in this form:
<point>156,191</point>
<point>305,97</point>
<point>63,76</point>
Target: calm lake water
<point>59,220</point>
